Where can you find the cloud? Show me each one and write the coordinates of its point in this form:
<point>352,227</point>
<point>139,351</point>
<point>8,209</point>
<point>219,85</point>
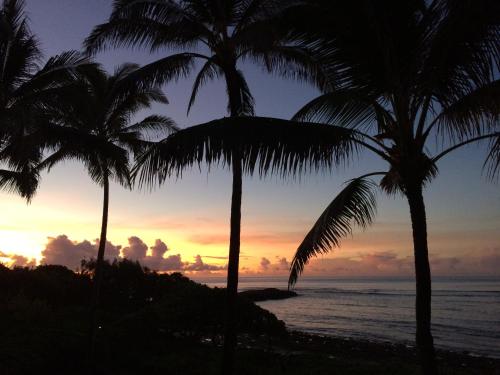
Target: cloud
<point>283,265</point>
<point>170,263</point>
<point>384,263</point>
<point>22,261</point>
<point>199,266</point>
<point>158,262</point>
<point>159,249</point>
<point>14,260</point>
<point>61,250</point>
<point>136,249</point>
<point>159,257</point>
<point>220,258</point>
<point>388,263</point>
<point>264,264</point>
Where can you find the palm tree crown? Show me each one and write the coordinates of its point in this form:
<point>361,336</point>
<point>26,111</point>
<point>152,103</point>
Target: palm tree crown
<point>95,123</point>
<point>223,32</point>
<point>425,83</point>
<point>404,74</point>
<point>26,89</point>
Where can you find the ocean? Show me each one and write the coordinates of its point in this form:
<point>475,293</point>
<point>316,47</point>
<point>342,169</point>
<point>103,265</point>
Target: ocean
<point>465,311</point>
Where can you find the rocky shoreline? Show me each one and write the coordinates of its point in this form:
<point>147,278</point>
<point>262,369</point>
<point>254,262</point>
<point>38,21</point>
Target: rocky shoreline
<point>355,356</point>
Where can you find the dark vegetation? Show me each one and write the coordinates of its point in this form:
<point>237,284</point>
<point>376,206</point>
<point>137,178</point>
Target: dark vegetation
<point>165,323</point>
<point>44,315</point>
<point>171,302</point>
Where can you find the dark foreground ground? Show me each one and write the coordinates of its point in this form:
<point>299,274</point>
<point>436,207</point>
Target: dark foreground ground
<point>167,324</point>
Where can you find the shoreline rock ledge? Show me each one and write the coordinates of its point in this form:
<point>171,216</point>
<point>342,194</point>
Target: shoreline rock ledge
<point>259,295</point>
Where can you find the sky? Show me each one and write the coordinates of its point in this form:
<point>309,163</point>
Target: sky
<point>184,225</point>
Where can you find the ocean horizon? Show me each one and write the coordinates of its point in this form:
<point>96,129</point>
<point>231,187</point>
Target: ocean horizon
<point>465,310</point>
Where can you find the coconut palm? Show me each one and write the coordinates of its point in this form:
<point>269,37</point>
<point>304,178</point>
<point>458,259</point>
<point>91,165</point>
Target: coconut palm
<point>94,125</point>
<point>410,75</point>
<point>26,87</point>
<point>219,34</point>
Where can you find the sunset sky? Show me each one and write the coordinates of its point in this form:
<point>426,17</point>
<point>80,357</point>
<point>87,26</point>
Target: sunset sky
<point>191,215</point>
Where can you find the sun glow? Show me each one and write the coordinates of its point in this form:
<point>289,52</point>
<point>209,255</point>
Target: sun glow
<point>28,244</point>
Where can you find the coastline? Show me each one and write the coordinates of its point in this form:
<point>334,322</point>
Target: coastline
<point>370,355</point>
<point>358,356</point>
<point>173,325</point>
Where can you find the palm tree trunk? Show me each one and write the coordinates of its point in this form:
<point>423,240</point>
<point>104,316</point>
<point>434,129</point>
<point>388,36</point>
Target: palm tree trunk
<point>424,340</point>
<point>230,334</point>
<point>94,315</point>
<point>230,331</point>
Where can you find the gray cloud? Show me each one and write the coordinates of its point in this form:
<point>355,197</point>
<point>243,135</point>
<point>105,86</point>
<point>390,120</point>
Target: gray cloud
<point>283,264</point>
<point>61,250</point>
<point>136,249</point>
<point>157,261</point>
<point>159,249</point>
<point>388,263</point>
<point>15,260</point>
<point>264,263</point>
<point>22,261</point>
<point>199,265</point>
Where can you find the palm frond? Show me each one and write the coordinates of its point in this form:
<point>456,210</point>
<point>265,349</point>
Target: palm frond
<point>492,163</point>
<point>23,182</point>
<point>460,49</point>
<point>245,98</point>
<point>60,70</point>
<point>248,12</point>
<point>19,47</point>
<point>208,72</point>
<point>354,205</point>
<point>471,114</point>
<point>155,123</point>
<point>166,69</point>
<point>92,123</point>
<point>392,183</point>
<point>290,62</point>
<point>342,107</point>
<point>72,143</point>
<point>147,23</point>
<point>266,145</point>
<point>139,136</point>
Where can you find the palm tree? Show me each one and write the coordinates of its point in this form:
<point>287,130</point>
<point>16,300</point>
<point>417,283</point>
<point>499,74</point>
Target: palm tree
<point>26,88</point>
<point>405,71</point>
<point>222,33</point>
<point>390,104</point>
<point>94,125</point>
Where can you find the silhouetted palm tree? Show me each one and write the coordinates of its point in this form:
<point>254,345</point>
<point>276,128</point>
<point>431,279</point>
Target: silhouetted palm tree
<point>94,125</point>
<point>409,74</point>
<point>26,88</point>
<point>388,103</point>
<point>223,32</point>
